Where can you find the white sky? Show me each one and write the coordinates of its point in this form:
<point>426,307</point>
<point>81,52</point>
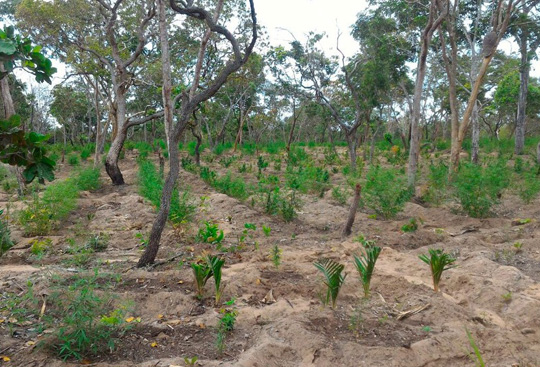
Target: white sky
<point>302,16</point>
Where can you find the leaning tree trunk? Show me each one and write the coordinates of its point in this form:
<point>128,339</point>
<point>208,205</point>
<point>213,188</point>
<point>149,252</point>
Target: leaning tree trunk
<point>166,72</point>
<point>159,224</point>
<point>352,211</point>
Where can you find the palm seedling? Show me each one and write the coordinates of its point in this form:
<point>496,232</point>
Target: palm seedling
<point>365,264</point>
<point>215,263</point>
<point>334,279</point>
<point>202,272</point>
<point>438,261</point>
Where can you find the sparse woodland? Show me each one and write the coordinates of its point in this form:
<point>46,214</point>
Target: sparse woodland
<point>179,190</point>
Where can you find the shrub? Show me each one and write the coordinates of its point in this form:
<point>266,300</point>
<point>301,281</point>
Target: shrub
<point>437,184</point>
<point>340,195</point>
<point>88,179</point>
<point>478,188</point>
<point>5,235</point>
<point>36,217</point>
<point>529,186</point>
<point>210,233</point>
<point>61,198</point>
<point>73,160</point>
<point>385,191</point>
<point>86,152</point>
<point>89,323</point>
<point>235,187</point>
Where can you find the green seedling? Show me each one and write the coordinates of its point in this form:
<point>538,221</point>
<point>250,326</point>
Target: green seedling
<point>266,230</point>
<point>365,264</point>
<point>211,233</point>
<point>412,226</point>
<point>477,357</point>
<point>190,362</point>
<point>226,324</point>
<point>275,255</point>
<point>202,272</point>
<point>438,261</point>
<point>215,264</point>
<point>334,279</point>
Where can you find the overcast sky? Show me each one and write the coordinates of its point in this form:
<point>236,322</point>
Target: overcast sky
<point>302,16</point>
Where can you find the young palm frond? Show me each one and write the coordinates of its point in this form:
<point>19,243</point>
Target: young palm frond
<point>202,272</point>
<point>215,263</point>
<point>365,265</point>
<point>334,279</point>
<point>477,358</point>
<point>438,261</point>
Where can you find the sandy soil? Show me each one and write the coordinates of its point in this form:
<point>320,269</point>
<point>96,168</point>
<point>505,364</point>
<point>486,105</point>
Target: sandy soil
<point>494,292</point>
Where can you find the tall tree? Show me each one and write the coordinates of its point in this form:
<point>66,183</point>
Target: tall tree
<point>191,97</point>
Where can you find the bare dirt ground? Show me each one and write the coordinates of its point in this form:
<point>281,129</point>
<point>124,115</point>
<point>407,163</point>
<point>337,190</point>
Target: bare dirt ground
<point>494,292</point>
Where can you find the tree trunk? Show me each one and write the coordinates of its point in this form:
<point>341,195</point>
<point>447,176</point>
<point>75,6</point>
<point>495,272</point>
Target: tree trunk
<point>166,72</point>
<point>238,139</point>
<point>111,162</point>
<point>352,211</point>
<point>291,132</point>
<point>414,147</point>
<point>523,90</point>
<point>197,136</point>
<point>350,136</point>
<point>151,251</point>
<point>7,101</point>
<point>475,134</point>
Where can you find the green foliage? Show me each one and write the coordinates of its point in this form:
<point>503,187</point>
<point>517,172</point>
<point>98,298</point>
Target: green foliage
<point>437,184</point>
<point>385,191</point>
<point>188,164</point>
<point>529,186</point>
<point>249,148</point>
<point>89,324</point>
<point>226,325</point>
<point>86,152</point>
<point>339,194</point>
<point>221,148</point>
<point>88,179</point>
<point>36,218</point>
<point>227,161</point>
<point>98,242</point>
<point>40,246</point>
<point>261,164</point>
<point>234,187</point>
<point>210,233</point>
<point>438,262</point>
<point>5,235</point>
<point>275,255</point>
<point>333,279</point>
<point>202,272</point>
<point>266,230</point>
<point>216,264</point>
<point>151,186</point>
<point>18,148</point>
<point>73,160</point>
<point>478,188</point>
<point>412,226</point>
<point>365,264</point>
<point>61,198</point>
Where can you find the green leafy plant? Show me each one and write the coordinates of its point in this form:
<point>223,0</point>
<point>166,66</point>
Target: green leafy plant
<point>528,187</point>
<point>365,264</point>
<point>385,191</point>
<point>266,230</point>
<point>333,279</point>
<point>36,218</point>
<point>190,362</point>
<point>210,233</point>
<point>88,179</point>
<point>437,184</point>
<point>275,255</point>
<point>5,234</point>
<point>202,272</point>
<point>478,188</point>
<point>98,242</point>
<point>226,324</point>
<point>438,262</point>
<point>412,226</point>
<point>73,160</point>
<point>340,195</point>
<point>261,164</point>
<point>40,246</point>
<point>248,232</point>
<point>215,263</point>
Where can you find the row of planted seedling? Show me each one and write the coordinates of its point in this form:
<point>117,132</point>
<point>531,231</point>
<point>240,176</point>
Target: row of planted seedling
<point>437,259</point>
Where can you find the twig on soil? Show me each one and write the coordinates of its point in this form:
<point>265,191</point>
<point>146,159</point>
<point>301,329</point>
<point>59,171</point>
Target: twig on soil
<point>403,315</point>
<point>289,302</point>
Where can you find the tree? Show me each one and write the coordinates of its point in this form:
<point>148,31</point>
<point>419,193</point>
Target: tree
<point>191,97</point>
<point>17,147</point>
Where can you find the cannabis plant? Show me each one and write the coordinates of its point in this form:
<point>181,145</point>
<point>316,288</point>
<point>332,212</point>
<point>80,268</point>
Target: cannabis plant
<point>275,255</point>
<point>334,279</point>
<point>438,261</point>
<point>365,264</point>
<point>5,235</point>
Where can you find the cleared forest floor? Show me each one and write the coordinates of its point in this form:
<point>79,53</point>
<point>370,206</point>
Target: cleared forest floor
<point>494,292</point>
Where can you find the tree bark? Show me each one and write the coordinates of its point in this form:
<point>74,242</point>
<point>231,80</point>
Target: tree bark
<point>475,134</point>
<point>111,162</point>
<point>291,132</point>
<point>427,34</point>
<point>352,211</point>
<point>166,72</point>
<point>523,90</point>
